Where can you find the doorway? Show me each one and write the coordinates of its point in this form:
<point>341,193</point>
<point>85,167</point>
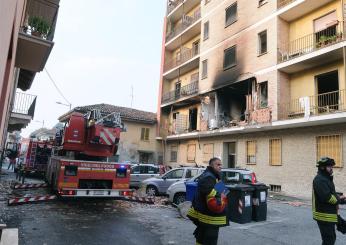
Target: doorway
<point>328,91</point>
<point>192,119</point>
<point>231,154</point>
<point>177,90</point>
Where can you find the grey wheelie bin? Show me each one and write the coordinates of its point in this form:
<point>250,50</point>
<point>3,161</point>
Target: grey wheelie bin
<point>240,203</point>
<point>259,200</point>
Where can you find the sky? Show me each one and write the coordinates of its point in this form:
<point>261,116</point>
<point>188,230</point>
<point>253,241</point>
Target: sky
<point>100,52</point>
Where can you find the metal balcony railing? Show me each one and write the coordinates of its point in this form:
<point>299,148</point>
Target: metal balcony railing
<point>312,42</point>
<point>24,104</point>
<point>187,90</point>
<point>184,56</point>
<point>172,4</point>
<point>186,21</point>
<point>40,19</point>
<point>283,3</point>
<point>326,103</point>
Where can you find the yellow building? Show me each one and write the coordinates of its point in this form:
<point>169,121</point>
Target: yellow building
<point>260,84</point>
<point>138,142</point>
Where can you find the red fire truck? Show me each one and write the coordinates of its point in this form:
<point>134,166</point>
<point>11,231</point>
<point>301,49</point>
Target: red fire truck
<point>79,167</point>
<point>36,156</point>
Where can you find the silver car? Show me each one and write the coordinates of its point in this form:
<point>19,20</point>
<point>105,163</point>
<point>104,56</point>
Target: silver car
<point>140,172</point>
<point>159,185</point>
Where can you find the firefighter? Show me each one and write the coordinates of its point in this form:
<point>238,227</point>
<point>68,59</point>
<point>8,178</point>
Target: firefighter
<point>325,200</point>
<point>208,211</point>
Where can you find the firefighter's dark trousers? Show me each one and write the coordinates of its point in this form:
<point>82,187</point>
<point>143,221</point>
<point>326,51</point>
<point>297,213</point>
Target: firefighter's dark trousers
<point>327,231</point>
<point>206,235</point>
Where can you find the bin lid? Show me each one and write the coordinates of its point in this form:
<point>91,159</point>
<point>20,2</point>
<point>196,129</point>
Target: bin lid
<point>191,183</point>
<point>240,187</point>
<point>260,186</point>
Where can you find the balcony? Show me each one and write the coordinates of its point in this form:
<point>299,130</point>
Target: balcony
<point>172,5</point>
<point>176,8</point>
<point>188,26</point>
<point>321,104</point>
<point>314,49</point>
<point>22,111</point>
<point>181,93</point>
<point>35,39</point>
<point>290,10</point>
<point>186,61</point>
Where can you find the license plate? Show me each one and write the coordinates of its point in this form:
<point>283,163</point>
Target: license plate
<point>99,193</point>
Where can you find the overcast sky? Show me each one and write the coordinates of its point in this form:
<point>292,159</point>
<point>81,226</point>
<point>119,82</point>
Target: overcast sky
<point>102,48</point>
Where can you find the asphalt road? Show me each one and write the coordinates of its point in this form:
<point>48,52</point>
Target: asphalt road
<point>106,222</point>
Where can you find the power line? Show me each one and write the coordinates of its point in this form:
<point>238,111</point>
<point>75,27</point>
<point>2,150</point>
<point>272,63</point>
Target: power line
<point>59,91</point>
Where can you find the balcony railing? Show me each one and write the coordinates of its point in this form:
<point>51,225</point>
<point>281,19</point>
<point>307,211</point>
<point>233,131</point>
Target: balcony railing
<point>312,42</point>
<point>172,4</point>
<point>24,104</point>
<point>186,55</point>
<point>186,21</point>
<point>40,19</point>
<point>283,3</point>
<point>187,90</point>
<point>321,104</point>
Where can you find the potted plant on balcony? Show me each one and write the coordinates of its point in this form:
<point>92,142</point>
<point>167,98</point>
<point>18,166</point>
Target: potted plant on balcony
<point>39,27</point>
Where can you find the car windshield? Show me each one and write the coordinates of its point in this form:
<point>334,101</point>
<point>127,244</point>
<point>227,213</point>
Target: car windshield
<point>174,174</point>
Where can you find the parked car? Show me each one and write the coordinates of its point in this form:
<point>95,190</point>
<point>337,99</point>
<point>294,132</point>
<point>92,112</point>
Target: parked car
<point>140,172</point>
<point>177,191</point>
<point>159,185</point>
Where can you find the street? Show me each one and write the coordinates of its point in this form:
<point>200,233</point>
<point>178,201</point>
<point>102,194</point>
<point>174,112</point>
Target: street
<point>90,222</point>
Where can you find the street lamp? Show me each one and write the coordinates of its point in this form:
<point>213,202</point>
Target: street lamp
<point>60,103</point>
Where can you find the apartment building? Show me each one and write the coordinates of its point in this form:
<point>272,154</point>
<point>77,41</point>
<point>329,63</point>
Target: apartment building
<point>26,39</point>
<point>260,84</point>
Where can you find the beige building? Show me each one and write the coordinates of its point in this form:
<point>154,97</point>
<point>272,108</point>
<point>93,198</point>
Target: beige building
<point>138,142</point>
<point>260,84</point>
<point>26,39</point>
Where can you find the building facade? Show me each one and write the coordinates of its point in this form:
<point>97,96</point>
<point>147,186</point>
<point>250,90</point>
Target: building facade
<point>27,30</point>
<point>260,84</point>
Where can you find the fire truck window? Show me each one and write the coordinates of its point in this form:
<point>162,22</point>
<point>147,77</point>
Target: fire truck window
<point>121,173</point>
<point>71,170</point>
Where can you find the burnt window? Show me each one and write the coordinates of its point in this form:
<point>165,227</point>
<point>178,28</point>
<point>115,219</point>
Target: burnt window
<point>231,14</point>
<point>263,89</point>
<point>229,57</point>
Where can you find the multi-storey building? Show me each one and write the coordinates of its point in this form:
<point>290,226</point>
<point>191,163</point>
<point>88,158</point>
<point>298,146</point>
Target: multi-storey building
<point>260,84</point>
<point>26,39</point>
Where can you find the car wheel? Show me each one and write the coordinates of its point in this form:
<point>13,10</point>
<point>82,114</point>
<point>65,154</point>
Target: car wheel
<point>179,198</point>
<point>151,190</point>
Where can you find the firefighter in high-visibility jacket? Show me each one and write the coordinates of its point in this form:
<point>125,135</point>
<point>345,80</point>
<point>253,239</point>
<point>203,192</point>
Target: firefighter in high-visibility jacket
<point>325,201</point>
<point>208,211</point>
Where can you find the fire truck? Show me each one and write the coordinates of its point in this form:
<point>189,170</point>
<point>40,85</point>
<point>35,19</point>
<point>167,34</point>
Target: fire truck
<point>79,166</point>
<point>36,154</point>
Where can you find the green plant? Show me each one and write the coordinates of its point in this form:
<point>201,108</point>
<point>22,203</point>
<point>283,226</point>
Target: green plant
<point>40,25</point>
<point>323,39</point>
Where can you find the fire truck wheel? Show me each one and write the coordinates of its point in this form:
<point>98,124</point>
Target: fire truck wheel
<point>152,190</point>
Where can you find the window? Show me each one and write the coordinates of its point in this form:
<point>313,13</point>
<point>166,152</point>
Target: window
<point>191,153</point>
<point>229,177</point>
<point>229,58</point>
<point>231,14</point>
<point>145,134</point>
<point>191,173</point>
<point>174,153</point>
<point>135,170</point>
<point>251,152</point>
<point>263,97</point>
<point>153,170</point>
<point>175,174</point>
<point>330,146</point>
<point>275,152</point>
<point>206,31</point>
<point>71,170</point>
<point>262,42</point>
<point>204,69</point>
<point>208,152</point>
